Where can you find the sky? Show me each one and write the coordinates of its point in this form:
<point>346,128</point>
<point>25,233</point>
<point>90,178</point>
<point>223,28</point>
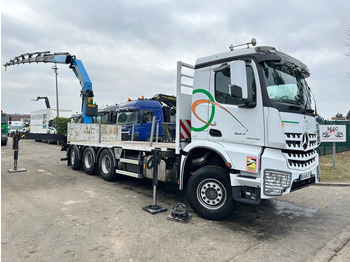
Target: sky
<point>130,47</point>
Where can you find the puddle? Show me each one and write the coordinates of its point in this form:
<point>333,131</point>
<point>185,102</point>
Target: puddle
<point>288,209</point>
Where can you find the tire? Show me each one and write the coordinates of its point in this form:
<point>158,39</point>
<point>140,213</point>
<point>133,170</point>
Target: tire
<point>209,193</point>
<point>106,166</point>
<point>88,161</point>
<point>4,142</point>
<point>74,157</point>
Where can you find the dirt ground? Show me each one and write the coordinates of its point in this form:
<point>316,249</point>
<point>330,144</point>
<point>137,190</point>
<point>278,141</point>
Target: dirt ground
<point>53,213</point>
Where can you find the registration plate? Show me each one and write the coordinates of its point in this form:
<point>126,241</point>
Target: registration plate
<point>305,176</point>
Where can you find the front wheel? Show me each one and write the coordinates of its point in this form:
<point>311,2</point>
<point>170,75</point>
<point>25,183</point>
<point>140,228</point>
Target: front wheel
<point>209,193</point>
<point>106,165</point>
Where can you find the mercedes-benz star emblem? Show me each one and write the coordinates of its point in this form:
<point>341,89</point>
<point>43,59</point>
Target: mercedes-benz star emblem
<point>305,141</point>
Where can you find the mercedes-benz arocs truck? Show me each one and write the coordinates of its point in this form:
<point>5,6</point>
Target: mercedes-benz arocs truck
<point>245,131</point>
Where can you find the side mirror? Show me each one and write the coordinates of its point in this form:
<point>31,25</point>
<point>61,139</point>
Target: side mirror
<point>238,79</point>
<point>10,120</point>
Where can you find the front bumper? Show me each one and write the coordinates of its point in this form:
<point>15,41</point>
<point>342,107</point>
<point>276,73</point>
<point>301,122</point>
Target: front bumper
<point>284,179</point>
<point>276,178</point>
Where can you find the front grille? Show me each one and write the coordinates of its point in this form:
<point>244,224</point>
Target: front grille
<point>299,159</point>
<point>300,150</point>
<point>301,141</point>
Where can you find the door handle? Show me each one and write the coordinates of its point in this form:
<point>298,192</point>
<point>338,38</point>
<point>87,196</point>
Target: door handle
<point>215,133</point>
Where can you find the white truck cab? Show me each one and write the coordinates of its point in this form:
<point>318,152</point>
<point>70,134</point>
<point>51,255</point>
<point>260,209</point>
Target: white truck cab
<point>251,116</point>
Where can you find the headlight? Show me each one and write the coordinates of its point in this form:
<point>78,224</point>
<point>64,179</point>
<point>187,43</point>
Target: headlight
<point>275,182</point>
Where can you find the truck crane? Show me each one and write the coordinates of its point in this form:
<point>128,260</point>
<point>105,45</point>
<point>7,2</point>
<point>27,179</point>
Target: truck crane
<point>47,102</point>
<point>89,109</point>
<point>245,130</point>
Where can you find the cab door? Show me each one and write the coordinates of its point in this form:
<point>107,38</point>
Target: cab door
<point>235,119</point>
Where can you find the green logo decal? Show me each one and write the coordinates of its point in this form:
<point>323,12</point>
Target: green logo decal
<point>196,103</point>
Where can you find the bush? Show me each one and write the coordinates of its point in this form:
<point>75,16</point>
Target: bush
<point>61,124</point>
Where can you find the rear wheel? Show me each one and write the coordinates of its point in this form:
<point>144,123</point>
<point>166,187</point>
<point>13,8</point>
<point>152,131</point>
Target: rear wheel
<point>74,157</point>
<point>209,193</point>
<point>88,161</point>
<point>106,165</point>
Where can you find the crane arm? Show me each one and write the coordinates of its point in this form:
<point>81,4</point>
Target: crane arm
<point>37,57</point>
<point>88,108</point>
<point>47,102</point>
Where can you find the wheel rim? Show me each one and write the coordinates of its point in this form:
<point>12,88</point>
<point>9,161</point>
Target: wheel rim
<point>211,193</point>
<point>88,159</point>
<point>106,164</point>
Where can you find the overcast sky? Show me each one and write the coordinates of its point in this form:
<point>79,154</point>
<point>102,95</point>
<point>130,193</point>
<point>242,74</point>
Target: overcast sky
<point>130,48</point>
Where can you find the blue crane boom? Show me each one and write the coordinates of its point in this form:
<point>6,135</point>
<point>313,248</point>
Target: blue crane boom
<point>88,109</point>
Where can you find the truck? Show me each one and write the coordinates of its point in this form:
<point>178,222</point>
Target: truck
<point>107,115</point>
<point>16,126</point>
<point>4,128</point>
<point>42,121</point>
<point>245,131</point>
<point>136,117</point>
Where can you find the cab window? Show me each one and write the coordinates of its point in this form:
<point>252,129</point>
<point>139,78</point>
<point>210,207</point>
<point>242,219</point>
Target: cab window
<point>146,116</point>
<point>222,87</point>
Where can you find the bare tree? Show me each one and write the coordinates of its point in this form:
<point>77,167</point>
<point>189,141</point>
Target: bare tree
<point>348,45</point>
<point>339,116</point>
<point>348,42</point>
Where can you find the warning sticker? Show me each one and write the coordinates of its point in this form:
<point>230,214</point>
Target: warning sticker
<point>251,163</point>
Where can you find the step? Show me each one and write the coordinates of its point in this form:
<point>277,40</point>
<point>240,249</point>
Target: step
<point>130,161</point>
<point>127,173</point>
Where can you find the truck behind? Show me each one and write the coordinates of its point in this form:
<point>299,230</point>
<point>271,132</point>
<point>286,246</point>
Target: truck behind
<point>43,121</point>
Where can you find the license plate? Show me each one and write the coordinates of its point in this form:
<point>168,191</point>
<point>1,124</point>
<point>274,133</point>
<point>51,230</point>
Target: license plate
<point>304,176</point>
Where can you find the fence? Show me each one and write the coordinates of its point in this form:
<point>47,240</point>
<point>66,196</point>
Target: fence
<point>326,148</point>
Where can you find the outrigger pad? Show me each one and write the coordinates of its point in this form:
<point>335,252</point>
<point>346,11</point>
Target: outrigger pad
<point>179,213</point>
<point>154,209</point>
<point>17,170</point>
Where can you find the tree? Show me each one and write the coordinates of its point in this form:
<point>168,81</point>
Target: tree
<point>348,41</point>
<point>348,115</point>
<point>348,45</point>
<point>339,116</point>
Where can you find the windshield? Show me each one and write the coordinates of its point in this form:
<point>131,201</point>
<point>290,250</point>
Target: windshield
<point>127,117</point>
<point>102,117</point>
<point>286,84</point>
<point>3,119</point>
<point>16,127</point>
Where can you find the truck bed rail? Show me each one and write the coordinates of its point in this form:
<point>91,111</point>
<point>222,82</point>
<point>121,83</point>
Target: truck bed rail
<point>184,89</point>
